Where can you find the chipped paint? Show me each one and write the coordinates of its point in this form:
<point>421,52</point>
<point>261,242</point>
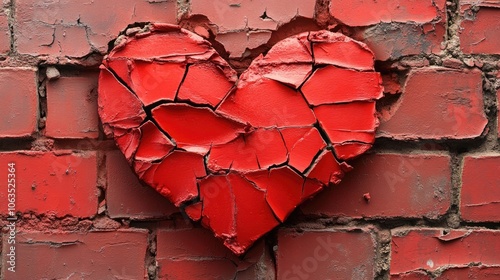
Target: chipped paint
<point>231,151</point>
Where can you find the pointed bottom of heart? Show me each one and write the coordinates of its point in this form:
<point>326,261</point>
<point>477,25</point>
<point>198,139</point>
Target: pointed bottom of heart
<point>242,208</point>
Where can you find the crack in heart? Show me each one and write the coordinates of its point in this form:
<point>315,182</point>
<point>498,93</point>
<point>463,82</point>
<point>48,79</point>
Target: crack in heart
<point>239,154</point>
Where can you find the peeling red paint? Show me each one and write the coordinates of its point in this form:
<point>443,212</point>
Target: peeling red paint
<point>284,188</point>
<point>231,151</point>
<point>267,103</point>
<point>214,88</point>
<point>154,144</point>
<point>327,169</point>
<point>258,150</point>
<point>175,177</point>
<point>145,82</point>
<point>347,85</point>
<point>303,145</point>
<point>192,126</point>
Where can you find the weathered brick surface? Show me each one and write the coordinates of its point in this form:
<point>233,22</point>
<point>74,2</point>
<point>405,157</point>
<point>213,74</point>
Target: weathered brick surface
<point>72,107</point>
<point>438,104</point>
<point>61,184</point>
<point>479,29</point>
<point>325,254</point>
<point>398,185</point>
<point>231,15</point>
<point>434,249</point>
<point>124,189</point>
<point>395,28</point>
<point>367,12</point>
<point>195,252</point>
<point>65,28</point>
<point>391,41</point>
<point>71,255</point>
<point>19,106</point>
<point>480,192</point>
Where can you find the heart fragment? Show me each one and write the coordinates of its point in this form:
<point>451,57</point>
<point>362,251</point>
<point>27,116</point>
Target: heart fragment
<point>239,154</point>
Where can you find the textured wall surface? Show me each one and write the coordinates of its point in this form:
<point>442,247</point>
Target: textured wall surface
<point>423,204</point>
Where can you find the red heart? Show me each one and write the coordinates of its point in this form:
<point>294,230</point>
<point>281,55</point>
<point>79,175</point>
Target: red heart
<point>239,154</point>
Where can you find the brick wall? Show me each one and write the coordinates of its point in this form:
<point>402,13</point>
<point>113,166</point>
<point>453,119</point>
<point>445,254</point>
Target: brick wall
<point>424,204</point>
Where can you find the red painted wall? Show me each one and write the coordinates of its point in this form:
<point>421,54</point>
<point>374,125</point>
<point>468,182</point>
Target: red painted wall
<point>424,204</point>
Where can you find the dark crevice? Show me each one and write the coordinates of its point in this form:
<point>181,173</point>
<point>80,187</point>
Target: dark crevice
<point>149,117</point>
<point>205,162</point>
<point>264,16</point>
<point>15,144</point>
<point>258,163</point>
<point>325,136</point>
<point>301,174</point>
<point>190,202</point>
<point>313,162</point>
<point>182,81</point>
<point>195,105</point>
<point>299,89</point>
<point>12,25</point>
<point>320,66</point>
<point>345,102</point>
<point>256,186</point>
<point>142,25</point>
<point>284,144</point>
<point>231,91</point>
<point>123,83</point>
<point>312,49</point>
<point>159,103</point>
<point>322,132</point>
<point>354,142</point>
<point>277,166</point>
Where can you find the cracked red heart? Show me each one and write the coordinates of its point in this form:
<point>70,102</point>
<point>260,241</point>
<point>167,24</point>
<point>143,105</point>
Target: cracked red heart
<point>241,153</point>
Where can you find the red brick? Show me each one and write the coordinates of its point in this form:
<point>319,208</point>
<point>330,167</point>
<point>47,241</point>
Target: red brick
<point>231,16</point>
<point>19,104</point>
<point>325,255</point>
<point>498,109</point>
<point>72,107</point>
<point>4,33</point>
<point>395,28</point>
<point>475,272</point>
<point>479,31</point>
<point>197,254</point>
<point>62,184</point>
<point>65,255</point>
<point>399,186</point>
<point>392,41</point>
<point>438,104</point>
<point>480,193</point>
<point>73,29</point>
<point>368,12</point>
<point>126,197</point>
<point>432,249</point>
